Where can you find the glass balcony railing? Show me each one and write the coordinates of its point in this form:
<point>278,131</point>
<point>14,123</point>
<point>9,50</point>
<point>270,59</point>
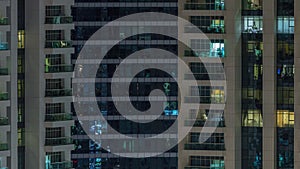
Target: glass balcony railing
<point>205,29</point>
<point>3,71</point>
<point>58,117</point>
<point>218,53</point>
<point>3,146</point>
<point>3,21</point>
<point>205,99</point>
<point>3,46</point>
<point>58,44</point>
<point>58,68</point>
<point>204,76</point>
<point>197,146</point>
<point>204,6</point>
<point>3,121</point>
<point>4,96</point>
<point>58,19</point>
<point>58,92</point>
<point>200,123</point>
<point>204,167</point>
<point>58,141</point>
<point>60,165</point>
<point>3,168</point>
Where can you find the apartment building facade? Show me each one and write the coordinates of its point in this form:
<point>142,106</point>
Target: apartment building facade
<point>255,40</point>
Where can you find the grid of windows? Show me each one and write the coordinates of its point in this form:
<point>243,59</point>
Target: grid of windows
<point>55,156</point>
<point>55,10</point>
<point>21,39</point>
<point>204,5</point>
<point>285,24</point>
<point>55,132</point>
<point>252,147</point>
<point>54,108</point>
<point>214,138</point>
<point>216,162</point>
<point>206,48</point>
<point>252,4</point>
<point>55,35</point>
<point>252,24</point>
<point>207,24</point>
<point>54,84</point>
<point>285,148</point>
<point>197,67</point>
<point>252,118</point>
<point>285,118</point>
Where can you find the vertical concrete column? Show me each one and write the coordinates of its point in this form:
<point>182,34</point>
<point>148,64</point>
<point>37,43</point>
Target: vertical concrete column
<point>34,84</point>
<point>269,84</point>
<point>13,85</point>
<point>297,85</point>
<point>233,71</point>
<point>183,157</point>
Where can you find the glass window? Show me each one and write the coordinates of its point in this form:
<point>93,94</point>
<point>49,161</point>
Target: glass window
<point>252,24</point>
<point>21,39</point>
<point>204,5</point>
<point>206,48</point>
<point>252,118</point>
<point>57,10</point>
<point>54,132</point>
<point>285,148</point>
<point>285,7</point>
<point>54,84</point>
<point>55,35</point>
<point>207,24</point>
<point>285,118</point>
<point>285,95</point>
<point>285,25</point>
<point>252,4</point>
<point>54,108</point>
<point>207,161</point>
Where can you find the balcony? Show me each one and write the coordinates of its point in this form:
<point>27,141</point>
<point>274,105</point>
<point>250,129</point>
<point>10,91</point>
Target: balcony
<point>58,44</point>
<point>3,146</point>
<point>212,146</point>
<point>3,71</point>
<point>3,46</point>
<point>205,99</point>
<point>200,123</point>
<point>204,167</point>
<point>58,19</point>
<point>58,68</point>
<point>58,141</point>
<point>218,53</point>
<point>3,96</point>
<point>204,76</point>
<point>3,21</point>
<point>3,121</point>
<point>204,6</point>
<point>60,165</point>
<point>58,92</point>
<point>58,117</point>
<point>205,29</point>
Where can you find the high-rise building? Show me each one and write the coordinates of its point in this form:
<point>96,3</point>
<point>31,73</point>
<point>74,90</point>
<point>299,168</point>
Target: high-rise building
<point>260,62</point>
<point>215,57</point>
<point>89,16</point>
<point>8,84</point>
<point>48,93</point>
<point>255,41</point>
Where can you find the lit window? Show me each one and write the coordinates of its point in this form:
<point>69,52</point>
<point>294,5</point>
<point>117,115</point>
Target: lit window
<point>285,118</point>
<point>21,39</point>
